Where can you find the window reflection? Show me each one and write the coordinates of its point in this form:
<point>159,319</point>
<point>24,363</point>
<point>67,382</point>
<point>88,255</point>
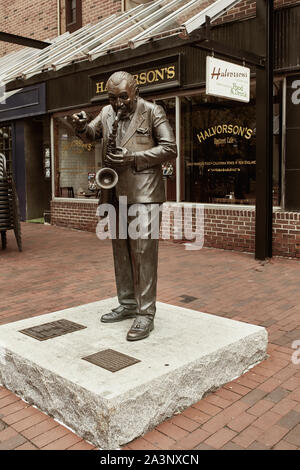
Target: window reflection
<point>219,151</point>
<point>219,147</point>
<point>76,161</point>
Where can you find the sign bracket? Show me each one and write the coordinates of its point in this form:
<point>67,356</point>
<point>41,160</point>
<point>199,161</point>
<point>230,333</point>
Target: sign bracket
<point>23,41</point>
<point>203,40</point>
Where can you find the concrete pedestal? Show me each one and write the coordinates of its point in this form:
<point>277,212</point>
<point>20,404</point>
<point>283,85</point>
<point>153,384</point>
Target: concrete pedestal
<point>188,354</point>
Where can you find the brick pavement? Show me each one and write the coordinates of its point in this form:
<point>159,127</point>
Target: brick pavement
<point>61,268</point>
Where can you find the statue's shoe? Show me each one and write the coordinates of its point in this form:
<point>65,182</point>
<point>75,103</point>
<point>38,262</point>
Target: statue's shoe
<point>141,328</point>
<point>118,314</point>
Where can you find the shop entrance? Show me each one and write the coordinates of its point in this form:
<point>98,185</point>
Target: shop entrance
<point>38,188</point>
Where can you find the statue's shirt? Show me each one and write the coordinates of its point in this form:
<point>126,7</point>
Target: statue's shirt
<point>122,128</point>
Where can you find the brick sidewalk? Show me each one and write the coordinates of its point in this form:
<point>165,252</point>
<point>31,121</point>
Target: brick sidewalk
<point>61,268</point>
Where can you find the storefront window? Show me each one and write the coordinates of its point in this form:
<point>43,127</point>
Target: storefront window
<point>219,150</point>
<point>76,162</point>
<point>219,147</point>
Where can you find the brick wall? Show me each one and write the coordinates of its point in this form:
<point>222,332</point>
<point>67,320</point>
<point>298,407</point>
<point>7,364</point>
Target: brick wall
<point>230,229</point>
<point>234,229</point>
<point>286,234</point>
<point>92,11</point>
<point>247,8</point>
<point>38,19</point>
<point>224,228</point>
<point>76,215</point>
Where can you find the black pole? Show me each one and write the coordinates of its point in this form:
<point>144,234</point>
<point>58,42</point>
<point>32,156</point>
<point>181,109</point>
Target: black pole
<point>264,131</point>
<point>23,41</point>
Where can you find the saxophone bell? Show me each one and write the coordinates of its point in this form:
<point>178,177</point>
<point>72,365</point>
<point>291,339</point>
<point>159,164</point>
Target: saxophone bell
<point>106,178</point>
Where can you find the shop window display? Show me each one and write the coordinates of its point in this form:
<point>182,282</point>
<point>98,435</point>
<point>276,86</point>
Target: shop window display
<point>76,163</point>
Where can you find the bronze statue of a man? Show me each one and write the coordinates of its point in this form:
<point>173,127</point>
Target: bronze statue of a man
<point>144,141</point>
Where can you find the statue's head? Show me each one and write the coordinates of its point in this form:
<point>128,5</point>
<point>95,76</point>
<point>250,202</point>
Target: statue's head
<point>122,92</point>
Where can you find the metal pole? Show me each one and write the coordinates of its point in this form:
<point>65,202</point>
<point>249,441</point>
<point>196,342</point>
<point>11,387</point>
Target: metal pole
<point>264,133</point>
<point>58,18</point>
<point>23,41</point>
<point>178,142</point>
<point>52,146</point>
<point>283,144</point>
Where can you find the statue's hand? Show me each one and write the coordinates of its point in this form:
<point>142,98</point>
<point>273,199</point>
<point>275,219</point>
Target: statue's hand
<point>120,159</point>
<point>79,120</point>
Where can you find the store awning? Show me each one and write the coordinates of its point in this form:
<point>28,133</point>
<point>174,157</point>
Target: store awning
<point>147,22</point>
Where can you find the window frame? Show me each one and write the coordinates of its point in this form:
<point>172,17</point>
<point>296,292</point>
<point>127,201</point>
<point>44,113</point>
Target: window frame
<point>77,24</point>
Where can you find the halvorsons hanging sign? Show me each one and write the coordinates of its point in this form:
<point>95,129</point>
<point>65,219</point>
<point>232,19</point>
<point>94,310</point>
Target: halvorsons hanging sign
<point>227,80</point>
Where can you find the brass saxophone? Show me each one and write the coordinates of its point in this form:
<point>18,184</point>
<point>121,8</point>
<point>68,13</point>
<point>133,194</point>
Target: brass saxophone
<point>107,178</point>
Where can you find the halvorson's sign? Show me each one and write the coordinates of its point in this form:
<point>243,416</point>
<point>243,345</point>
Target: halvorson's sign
<point>227,80</point>
<point>145,77</point>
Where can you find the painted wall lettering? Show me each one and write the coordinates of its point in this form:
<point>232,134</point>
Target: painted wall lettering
<point>145,77</point>
<point>233,129</point>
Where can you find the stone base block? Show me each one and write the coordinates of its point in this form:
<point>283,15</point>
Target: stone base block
<point>188,354</point>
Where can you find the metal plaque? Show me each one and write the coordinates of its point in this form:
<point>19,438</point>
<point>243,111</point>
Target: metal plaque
<point>111,360</point>
<point>52,329</point>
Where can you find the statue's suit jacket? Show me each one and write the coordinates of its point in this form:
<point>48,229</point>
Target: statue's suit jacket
<point>150,139</point>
